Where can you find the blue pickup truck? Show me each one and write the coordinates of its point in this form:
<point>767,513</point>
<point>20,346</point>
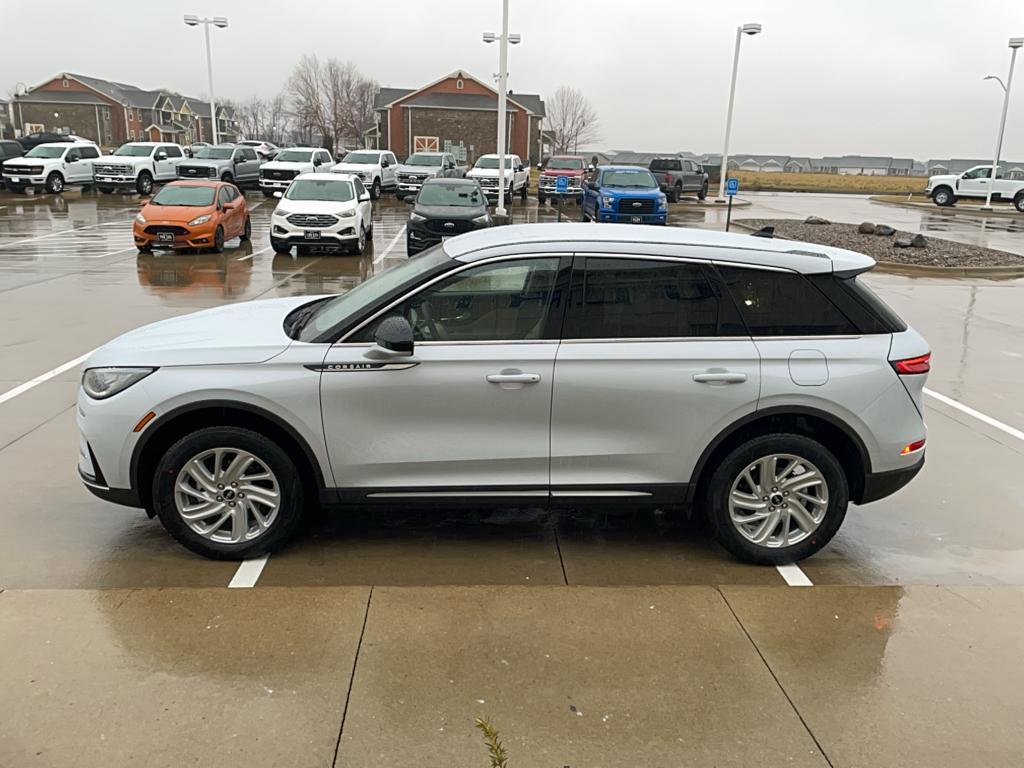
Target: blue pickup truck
<point>626,194</point>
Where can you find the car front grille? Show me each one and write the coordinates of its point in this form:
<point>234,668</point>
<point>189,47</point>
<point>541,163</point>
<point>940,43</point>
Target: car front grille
<point>22,170</point>
<point>156,229</point>
<point>412,178</point>
<point>575,182</point>
<point>278,175</point>
<point>450,227</point>
<point>197,172</point>
<point>110,169</point>
<point>312,221</point>
<point>636,205</point>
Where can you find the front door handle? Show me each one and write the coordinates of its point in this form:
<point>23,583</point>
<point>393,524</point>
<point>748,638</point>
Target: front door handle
<point>719,377</point>
<point>513,378</point>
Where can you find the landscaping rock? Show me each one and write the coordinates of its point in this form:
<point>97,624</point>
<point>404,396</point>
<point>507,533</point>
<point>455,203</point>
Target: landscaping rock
<point>902,242</point>
<point>866,228</point>
<point>884,230</point>
<point>918,241</point>
<point>816,220</point>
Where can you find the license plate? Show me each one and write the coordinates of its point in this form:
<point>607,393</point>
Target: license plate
<point>103,178</point>
<point>312,234</point>
<point>636,219</point>
<point>165,237</point>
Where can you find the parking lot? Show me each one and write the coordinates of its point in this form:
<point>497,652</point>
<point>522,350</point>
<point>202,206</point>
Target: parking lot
<point>914,618</point>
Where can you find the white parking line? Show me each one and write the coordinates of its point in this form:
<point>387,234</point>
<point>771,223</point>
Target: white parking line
<point>1012,431</point>
<point>253,254</point>
<point>62,232</point>
<point>794,575</point>
<point>248,573</point>
<point>391,245</point>
<point>21,389</point>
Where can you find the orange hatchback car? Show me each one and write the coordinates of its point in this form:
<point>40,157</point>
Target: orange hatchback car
<point>193,214</point>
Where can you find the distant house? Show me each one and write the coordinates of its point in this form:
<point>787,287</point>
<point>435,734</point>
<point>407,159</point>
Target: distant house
<point>798,165</point>
<point>1010,169</point>
<point>761,163</point>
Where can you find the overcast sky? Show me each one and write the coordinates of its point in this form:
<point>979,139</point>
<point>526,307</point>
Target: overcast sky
<point>892,77</point>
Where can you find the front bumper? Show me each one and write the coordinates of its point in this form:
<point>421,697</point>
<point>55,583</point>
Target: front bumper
<point>604,214</point>
<point>275,185</point>
<point>193,237</point>
<point>344,232</point>
<point>24,180</point>
<point>90,470</point>
<point>115,181</point>
<point>878,485</point>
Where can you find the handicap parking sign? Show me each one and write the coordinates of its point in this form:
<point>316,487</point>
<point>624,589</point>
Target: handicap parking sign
<point>562,185</point>
<point>732,186</point>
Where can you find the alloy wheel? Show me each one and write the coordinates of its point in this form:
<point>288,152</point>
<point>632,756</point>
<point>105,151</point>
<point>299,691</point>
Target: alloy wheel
<point>227,495</point>
<point>778,501</point>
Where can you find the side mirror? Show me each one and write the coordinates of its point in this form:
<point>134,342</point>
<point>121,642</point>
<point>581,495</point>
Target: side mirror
<point>590,167</point>
<point>364,198</point>
<point>411,200</point>
<point>161,155</point>
<point>384,163</point>
<point>279,194</point>
<point>317,162</point>
<point>392,339</point>
<point>238,160</point>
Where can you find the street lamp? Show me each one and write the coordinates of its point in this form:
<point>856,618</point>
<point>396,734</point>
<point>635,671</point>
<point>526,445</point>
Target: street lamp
<point>1015,43</point>
<point>745,29</point>
<point>220,22</point>
<point>504,38</point>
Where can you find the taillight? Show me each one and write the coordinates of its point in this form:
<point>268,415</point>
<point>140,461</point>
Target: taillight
<point>913,447</point>
<point>668,178</point>
<point>912,365</point>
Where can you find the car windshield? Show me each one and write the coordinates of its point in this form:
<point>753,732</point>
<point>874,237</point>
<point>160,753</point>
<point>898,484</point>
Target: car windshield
<point>362,158</point>
<point>182,194</point>
<point>45,152</point>
<point>565,164</point>
<point>334,311</point>
<point>293,156</point>
<point>665,165</point>
<point>638,179</point>
<point>490,163</point>
<point>422,159</point>
<point>129,150</point>
<point>464,195</point>
<point>215,153</point>
<point>321,189</point>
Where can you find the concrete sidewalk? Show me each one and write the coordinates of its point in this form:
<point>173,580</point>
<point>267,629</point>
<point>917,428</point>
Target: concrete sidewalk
<point>577,676</point>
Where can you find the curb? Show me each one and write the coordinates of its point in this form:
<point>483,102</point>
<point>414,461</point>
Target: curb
<point>927,270</point>
<point>947,210</point>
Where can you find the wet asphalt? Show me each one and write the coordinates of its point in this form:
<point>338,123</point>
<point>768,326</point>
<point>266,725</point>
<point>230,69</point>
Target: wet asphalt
<point>428,620</point>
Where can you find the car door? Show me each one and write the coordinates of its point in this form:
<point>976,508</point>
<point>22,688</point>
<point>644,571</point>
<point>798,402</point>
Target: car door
<point>654,363</point>
<point>167,168</point>
<point>591,190</point>
<point>975,181</point>
<point>364,204</point>
<point>468,414</point>
<point>691,183</point>
<point>252,164</point>
<point>73,165</point>
<point>390,173</point>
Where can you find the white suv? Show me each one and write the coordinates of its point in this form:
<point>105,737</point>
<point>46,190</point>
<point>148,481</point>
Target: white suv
<point>138,165</point>
<point>277,174</point>
<point>516,177</point>
<point>322,209</point>
<point>52,167</point>
<point>756,381</point>
<point>377,169</point>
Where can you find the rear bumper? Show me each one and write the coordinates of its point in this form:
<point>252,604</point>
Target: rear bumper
<point>878,485</point>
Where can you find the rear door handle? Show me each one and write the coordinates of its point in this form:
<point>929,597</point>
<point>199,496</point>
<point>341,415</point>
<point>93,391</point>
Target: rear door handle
<point>719,377</point>
<point>513,378</point>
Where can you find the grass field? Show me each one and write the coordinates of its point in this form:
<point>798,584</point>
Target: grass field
<point>754,181</point>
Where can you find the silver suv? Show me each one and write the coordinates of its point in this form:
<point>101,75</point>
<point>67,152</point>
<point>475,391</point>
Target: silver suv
<point>757,382</point>
<point>227,162</point>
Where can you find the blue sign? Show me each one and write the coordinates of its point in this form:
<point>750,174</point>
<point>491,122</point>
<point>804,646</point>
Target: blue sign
<point>732,186</point>
<point>562,184</point>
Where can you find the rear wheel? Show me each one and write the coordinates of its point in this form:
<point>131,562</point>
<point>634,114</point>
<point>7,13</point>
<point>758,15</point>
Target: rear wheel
<point>674,192</point>
<point>218,240</point>
<point>268,192</point>
<point>777,499</point>
<point>228,493</point>
<point>55,183</point>
<point>1018,202</point>
<point>247,230</point>
<point>541,198</point>
<point>144,183</point>
<point>524,192</point>
<point>703,191</point>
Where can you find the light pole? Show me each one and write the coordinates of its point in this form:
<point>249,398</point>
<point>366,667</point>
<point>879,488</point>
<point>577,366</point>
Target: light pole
<point>1015,43</point>
<point>504,39</point>
<point>217,21</point>
<point>745,29</point>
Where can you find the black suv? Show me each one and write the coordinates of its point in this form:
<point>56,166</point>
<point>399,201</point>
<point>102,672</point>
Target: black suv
<point>41,137</point>
<point>9,149</point>
<point>442,208</point>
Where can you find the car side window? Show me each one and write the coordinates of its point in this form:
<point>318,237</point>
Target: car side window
<point>89,153</point>
<point>224,196</point>
<point>783,304</point>
<point>502,301</point>
<point>621,298</point>
<point>249,153</point>
<point>72,155</point>
<point>391,159</point>
<point>171,151</point>
<point>359,187</point>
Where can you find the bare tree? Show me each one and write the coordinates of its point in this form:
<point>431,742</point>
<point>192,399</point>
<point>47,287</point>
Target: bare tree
<point>571,120</point>
<point>332,98</point>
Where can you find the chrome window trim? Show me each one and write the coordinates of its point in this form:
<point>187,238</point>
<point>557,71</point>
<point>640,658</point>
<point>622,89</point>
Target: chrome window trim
<point>645,339</point>
<point>445,275</point>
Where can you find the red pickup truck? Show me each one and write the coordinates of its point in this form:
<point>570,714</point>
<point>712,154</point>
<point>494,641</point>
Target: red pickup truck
<point>573,166</point>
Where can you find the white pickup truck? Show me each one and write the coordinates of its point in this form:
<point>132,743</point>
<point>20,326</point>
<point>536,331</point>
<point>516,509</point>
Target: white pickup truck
<point>137,165</point>
<point>946,189</point>
<point>516,177</point>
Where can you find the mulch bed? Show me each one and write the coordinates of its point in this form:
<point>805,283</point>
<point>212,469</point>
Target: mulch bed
<point>937,253</point>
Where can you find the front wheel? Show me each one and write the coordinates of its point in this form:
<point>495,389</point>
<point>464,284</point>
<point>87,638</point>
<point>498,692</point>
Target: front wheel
<point>280,246</point>
<point>541,198</point>
<point>702,195</point>
<point>228,493</point>
<point>943,196</point>
<point>360,244</point>
<point>777,499</point>
<point>55,183</point>
<point>673,194</point>
<point>524,192</point>
<point>268,192</point>
<point>105,190</point>
<point>227,177</point>
<point>218,240</point>
<point>1018,202</point>
<point>375,190</point>
<point>144,184</point>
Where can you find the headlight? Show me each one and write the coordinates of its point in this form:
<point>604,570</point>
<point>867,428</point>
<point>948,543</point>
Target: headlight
<point>346,214</point>
<point>140,218</point>
<point>663,202</point>
<point>199,220</point>
<point>101,383</point>
<point>280,212</point>
<point>607,202</point>
<point>416,217</point>
<point>480,219</point>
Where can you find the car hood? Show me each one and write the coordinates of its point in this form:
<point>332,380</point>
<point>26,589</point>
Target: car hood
<point>174,214</point>
<point>288,207</point>
<point>950,178</point>
<point>632,192</point>
<point>286,165</point>
<point>353,168</point>
<point>122,160</point>
<point>248,332</point>
<point>561,172</point>
<point>204,163</point>
<point>452,212</point>
<point>421,169</point>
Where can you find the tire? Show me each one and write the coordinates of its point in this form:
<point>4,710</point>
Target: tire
<point>510,195</point>
<point>106,190</point>
<point>226,176</point>
<point>280,246</point>
<point>943,196</point>
<point>145,248</point>
<point>267,192</point>
<point>524,193</point>
<point>702,195</point>
<point>375,190</point>
<point>144,183</point>
<point>743,465</point>
<point>541,198</point>
<point>369,231</point>
<point>223,542</point>
<point>673,194</point>
<point>55,183</point>
<point>246,231</point>
<point>218,240</point>
<point>360,244</point>
<point>1018,202</point>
